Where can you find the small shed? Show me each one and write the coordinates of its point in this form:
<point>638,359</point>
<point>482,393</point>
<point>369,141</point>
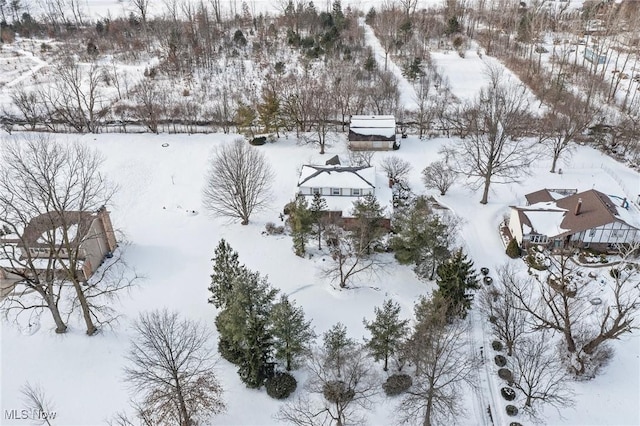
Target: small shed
<point>372,132</point>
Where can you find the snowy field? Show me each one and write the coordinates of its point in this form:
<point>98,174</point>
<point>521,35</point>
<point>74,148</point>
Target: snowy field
<point>172,249</point>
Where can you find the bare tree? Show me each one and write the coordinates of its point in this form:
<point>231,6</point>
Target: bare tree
<point>361,158</point>
<point>28,104</point>
<point>396,168</point>
<point>53,190</point>
<point>172,369</point>
<point>539,374</point>
<point>437,350</point>
<point>558,132</point>
<point>149,100</point>
<point>77,97</point>
<point>439,175</point>
<point>40,407</point>
<point>508,321</point>
<point>493,149</point>
<point>142,6</point>
<point>349,259</point>
<point>560,300</point>
<point>238,182</point>
<point>335,396</point>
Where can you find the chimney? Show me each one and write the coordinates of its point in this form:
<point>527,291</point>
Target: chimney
<point>624,203</point>
<point>578,206</point>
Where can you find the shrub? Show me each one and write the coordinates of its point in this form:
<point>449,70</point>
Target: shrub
<point>272,229</point>
<point>488,280</point>
<point>496,345</point>
<point>513,249</point>
<point>337,391</point>
<point>229,352</point>
<point>397,384</point>
<point>505,374</point>
<point>512,410</point>
<point>614,272</point>
<point>281,385</point>
<point>500,360</point>
<point>258,140</point>
<point>508,393</point>
<point>515,424</point>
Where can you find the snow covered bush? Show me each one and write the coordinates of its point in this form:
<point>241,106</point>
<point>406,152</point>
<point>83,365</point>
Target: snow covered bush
<point>337,391</point>
<point>500,360</point>
<point>508,393</point>
<point>397,384</point>
<point>512,410</point>
<point>281,385</point>
<point>496,345</point>
<point>505,374</point>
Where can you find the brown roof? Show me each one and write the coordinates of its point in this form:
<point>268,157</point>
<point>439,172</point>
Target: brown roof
<point>597,209</point>
<point>52,220</point>
<point>542,196</point>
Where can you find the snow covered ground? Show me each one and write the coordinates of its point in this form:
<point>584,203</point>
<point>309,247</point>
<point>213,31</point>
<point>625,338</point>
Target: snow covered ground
<point>172,248</point>
<point>160,187</point>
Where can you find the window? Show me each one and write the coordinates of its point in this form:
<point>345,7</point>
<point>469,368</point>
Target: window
<point>335,191</point>
<point>542,239</point>
<point>315,191</point>
<point>356,192</point>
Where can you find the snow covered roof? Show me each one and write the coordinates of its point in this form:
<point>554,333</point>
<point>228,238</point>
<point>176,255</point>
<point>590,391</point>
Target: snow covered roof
<point>337,177</point>
<point>372,125</point>
<point>563,217</point>
<point>545,195</point>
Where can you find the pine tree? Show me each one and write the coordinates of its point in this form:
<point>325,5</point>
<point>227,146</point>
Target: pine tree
<point>337,347</point>
<point>318,210</point>
<point>387,331</point>
<point>292,334</point>
<point>421,238</point>
<point>300,220</point>
<point>225,268</point>
<point>245,119</point>
<point>269,111</point>
<point>513,249</point>
<point>244,326</point>
<point>455,277</point>
<point>368,222</point>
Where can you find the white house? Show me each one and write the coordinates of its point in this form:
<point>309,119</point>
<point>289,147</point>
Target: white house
<point>340,186</point>
<point>589,219</point>
<point>372,132</point>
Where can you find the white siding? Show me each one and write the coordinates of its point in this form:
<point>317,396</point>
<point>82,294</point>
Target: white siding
<point>612,233</point>
<point>515,226</point>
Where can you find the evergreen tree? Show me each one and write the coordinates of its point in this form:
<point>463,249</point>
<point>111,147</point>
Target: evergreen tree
<point>455,277</point>
<point>225,268</point>
<point>368,222</point>
<point>292,334</point>
<point>269,110</point>
<point>337,347</point>
<point>244,326</point>
<point>387,331</point>
<point>338,16</point>
<point>421,238</point>
<point>318,209</point>
<point>245,119</point>
<point>300,220</point>
<point>513,249</point>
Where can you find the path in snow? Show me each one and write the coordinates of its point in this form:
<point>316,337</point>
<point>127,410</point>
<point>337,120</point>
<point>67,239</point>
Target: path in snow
<point>407,92</point>
<point>39,64</point>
